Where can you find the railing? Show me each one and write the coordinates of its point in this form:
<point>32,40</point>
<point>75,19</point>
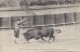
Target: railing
<point>48,25</point>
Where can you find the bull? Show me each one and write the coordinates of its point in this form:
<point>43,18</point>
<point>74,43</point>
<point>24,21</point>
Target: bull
<point>40,33</point>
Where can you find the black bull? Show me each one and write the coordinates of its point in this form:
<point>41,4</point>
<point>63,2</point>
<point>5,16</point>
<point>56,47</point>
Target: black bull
<point>40,33</point>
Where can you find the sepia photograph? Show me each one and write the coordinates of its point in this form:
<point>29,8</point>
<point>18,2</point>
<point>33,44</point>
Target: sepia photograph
<point>39,25</point>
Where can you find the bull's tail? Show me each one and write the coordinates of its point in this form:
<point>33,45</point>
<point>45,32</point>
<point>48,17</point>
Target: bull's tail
<point>57,30</point>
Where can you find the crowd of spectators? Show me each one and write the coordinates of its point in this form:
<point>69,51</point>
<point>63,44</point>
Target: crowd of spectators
<point>13,3</point>
<point>50,2</point>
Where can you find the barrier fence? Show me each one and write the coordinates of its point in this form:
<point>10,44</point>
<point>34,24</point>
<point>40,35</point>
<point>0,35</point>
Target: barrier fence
<point>41,20</point>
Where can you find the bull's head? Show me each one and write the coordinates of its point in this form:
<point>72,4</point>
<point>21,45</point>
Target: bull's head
<point>24,33</point>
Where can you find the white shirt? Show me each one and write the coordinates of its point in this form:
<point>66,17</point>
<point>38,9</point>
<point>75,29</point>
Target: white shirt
<point>17,25</point>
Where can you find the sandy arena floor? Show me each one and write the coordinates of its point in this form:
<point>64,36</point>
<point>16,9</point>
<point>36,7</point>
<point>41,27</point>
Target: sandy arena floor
<point>67,40</point>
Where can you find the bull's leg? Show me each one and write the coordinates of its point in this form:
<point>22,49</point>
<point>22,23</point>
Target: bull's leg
<point>50,35</point>
<point>49,38</point>
<point>27,40</point>
<point>53,38</point>
<point>42,38</point>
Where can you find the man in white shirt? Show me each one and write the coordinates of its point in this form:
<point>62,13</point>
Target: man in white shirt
<point>17,29</point>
